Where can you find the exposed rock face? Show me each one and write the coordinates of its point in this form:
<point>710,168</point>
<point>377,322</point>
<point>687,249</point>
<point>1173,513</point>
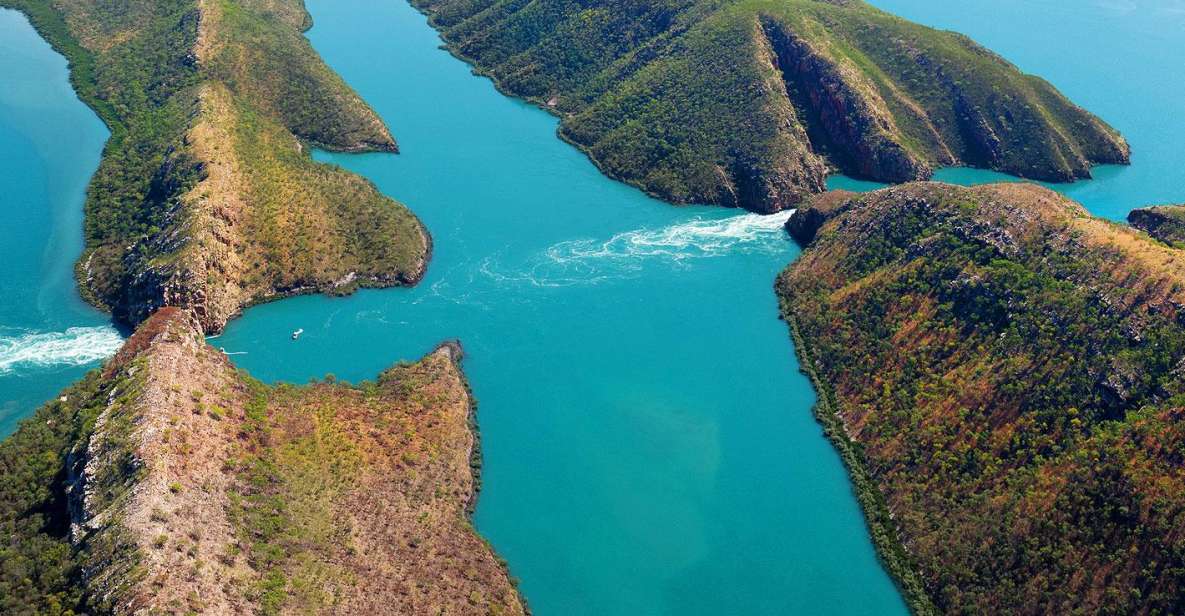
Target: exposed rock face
<point>1003,374</point>
<point>1165,223</point>
<point>848,123</point>
<point>206,197</point>
<point>151,501</point>
<point>815,212</point>
<point>752,104</point>
<point>200,491</point>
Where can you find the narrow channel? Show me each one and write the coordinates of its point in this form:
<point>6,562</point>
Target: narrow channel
<point>648,442</point>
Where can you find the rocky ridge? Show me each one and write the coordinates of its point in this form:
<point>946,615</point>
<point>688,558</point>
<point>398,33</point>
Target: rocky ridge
<point>1005,377</point>
<point>752,103</point>
<point>1164,222</point>
<point>193,489</point>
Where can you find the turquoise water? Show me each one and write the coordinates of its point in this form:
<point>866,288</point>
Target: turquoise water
<point>49,147</point>
<point>1121,59</point>
<point>648,441</point>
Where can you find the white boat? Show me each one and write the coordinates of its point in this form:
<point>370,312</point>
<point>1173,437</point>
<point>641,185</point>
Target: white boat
<point>296,334</point>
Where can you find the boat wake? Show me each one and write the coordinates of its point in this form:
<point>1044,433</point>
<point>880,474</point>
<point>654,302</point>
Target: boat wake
<point>589,261</point>
<point>77,346</point>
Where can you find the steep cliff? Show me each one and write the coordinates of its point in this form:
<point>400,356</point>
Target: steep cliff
<point>206,196</point>
<point>752,103</point>
<point>168,482</point>
<point>1165,223</point>
<point>1005,376</point>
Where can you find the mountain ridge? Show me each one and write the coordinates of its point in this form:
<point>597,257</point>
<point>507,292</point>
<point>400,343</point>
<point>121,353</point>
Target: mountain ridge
<point>206,195</point>
<point>1004,375</point>
<point>752,103</point>
<point>168,481</point>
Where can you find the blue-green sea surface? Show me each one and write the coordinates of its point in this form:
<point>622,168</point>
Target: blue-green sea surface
<point>648,442</point>
<point>1123,60</point>
<point>49,147</point>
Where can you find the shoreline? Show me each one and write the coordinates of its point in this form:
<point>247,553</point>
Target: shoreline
<point>878,520</point>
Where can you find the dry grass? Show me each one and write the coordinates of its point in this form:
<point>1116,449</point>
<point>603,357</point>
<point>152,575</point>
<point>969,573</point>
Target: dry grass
<point>1011,371</point>
<point>207,197</point>
<point>320,499</point>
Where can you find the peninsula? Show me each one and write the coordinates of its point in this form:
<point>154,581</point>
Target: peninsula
<point>1005,377</point>
<point>168,482</point>
<point>1003,374</point>
<point>206,196</point>
<point>752,103</point>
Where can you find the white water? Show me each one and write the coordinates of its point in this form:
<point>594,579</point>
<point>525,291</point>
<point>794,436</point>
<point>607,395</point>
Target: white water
<point>589,261</point>
<point>695,238</point>
<point>77,346</point>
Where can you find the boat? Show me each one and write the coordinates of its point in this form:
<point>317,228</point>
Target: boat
<point>296,334</point>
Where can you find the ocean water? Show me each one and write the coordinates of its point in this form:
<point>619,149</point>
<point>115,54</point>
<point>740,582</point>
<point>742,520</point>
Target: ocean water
<point>1124,60</point>
<point>648,443</point>
<point>49,147</point>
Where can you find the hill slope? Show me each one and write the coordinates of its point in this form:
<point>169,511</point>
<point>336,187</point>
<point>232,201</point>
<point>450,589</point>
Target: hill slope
<point>170,483</point>
<point>205,196</point>
<point>752,102</point>
<point>1005,376</point>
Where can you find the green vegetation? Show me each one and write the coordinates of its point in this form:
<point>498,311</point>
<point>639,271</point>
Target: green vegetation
<point>312,225</point>
<point>125,497</point>
<point>39,568</point>
<point>753,102</point>
<point>172,212</point>
<point>1004,376</point>
<point>291,476</point>
<point>269,62</point>
<point>330,475</point>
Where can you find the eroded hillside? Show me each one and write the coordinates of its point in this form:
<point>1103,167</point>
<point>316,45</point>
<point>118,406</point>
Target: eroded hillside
<point>171,483</point>
<point>1005,376</point>
<point>752,103</point>
<point>206,196</point>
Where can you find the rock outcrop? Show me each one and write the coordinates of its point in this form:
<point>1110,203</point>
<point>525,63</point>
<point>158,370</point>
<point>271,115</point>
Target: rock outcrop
<point>811,215</point>
<point>1165,222</point>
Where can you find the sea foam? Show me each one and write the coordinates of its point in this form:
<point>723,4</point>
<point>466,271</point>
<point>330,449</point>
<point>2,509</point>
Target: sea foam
<point>77,346</point>
<point>694,238</point>
<point>588,261</point>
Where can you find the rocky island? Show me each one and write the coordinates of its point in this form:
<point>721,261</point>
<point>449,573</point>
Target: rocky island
<point>206,196</point>
<point>1005,377</point>
<point>169,482</point>
<point>752,103</point>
